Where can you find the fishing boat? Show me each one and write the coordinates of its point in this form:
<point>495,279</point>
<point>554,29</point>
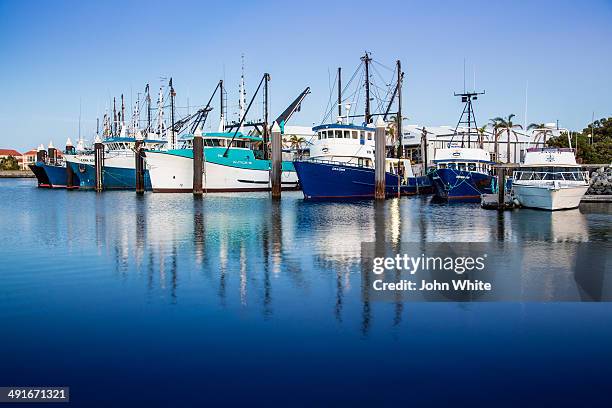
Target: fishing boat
<point>550,179</point>
<point>119,167</point>
<point>233,160</point>
<point>463,170</point>
<point>51,170</point>
<point>231,163</point>
<point>341,158</point>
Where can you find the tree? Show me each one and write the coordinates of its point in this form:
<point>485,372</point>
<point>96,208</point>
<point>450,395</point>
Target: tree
<point>539,130</point>
<point>392,131</point>
<point>9,163</point>
<point>481,135</point>
<point>295,141</point>
<point>595,151</point>
<point>506,124</point>
<point>496,132</point>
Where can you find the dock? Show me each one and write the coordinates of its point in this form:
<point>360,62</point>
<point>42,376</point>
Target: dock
<point>16,174</point>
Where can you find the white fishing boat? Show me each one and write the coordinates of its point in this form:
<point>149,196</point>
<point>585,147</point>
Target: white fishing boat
<point>229,166</point>
<point>550,179</point>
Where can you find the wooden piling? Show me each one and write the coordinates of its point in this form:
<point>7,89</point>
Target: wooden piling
<point>69,176</point>
<point>140,170</point>
<point>380,152</point>
<point>99,163</point>
<point>276,161</point>
<point>198,156</point>
<point>501,187</point>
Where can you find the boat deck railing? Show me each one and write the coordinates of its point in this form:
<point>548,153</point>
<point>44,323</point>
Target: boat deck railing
<point>335,162</point>
<point>522,175</point>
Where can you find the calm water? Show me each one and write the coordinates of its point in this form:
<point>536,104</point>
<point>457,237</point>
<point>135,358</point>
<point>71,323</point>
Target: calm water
<point>170,301</point>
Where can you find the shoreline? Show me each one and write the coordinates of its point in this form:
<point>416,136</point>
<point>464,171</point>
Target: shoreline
<point>16,174</point>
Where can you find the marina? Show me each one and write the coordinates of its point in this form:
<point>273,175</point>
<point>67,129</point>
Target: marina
<point>320,204</point>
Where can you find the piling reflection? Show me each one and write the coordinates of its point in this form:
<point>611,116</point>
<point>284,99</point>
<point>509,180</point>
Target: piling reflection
<point>256,254</point>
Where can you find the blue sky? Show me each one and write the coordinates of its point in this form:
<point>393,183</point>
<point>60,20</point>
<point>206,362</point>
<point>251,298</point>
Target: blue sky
<point>55,54</point>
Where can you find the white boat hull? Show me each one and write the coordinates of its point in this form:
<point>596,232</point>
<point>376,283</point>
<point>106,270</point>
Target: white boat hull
<point>549,197</point>
<point>172,173</point>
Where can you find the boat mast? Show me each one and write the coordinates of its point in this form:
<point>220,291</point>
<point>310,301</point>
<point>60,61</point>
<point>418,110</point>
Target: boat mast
<point>242,96</point>
<point>366,60</point>
<point>114,127</point>
<point>222,116</point>
<point>340,94</point>
<point>122,114</point>
<point>265,124</point>
<point>470,121</point>
<point>160,113</point>
<point>172,95</point>
<point>148,100</point>
<point>400,77</point>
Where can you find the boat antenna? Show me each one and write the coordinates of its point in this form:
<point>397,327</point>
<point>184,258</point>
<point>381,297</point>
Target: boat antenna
<point>467,117</point>
<point>222,107</point>
<point>366,60</point>
<point>340,93</point>
<point>122,114</point>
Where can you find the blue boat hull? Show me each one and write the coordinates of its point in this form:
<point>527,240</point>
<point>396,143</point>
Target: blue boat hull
<point>459,185</point>
<point>113,178</point>
<point>53,176</point>
<point>41,176</point>
<point>321,180</point>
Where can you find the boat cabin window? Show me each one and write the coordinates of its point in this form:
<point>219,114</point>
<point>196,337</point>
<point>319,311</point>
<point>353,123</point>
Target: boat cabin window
<point>347,134</point>
<point>451,166</point>
<point>338,134</point>
<point>461,166</point>
<point>361,134</point>
<point>369,135</point>
<point>354,133</point>
<point>442,165</point>
<point>472,166</point>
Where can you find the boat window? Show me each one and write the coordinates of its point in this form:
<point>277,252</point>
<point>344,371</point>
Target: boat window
<point>472,166</point>
<point>347,134</point>
<point>451,166</point>
<point>461,166</point>
<point>338,134</point>
<point>354,134</point>
<point>442,165</point>
<point>361,134</point>
<point>323,134</point>
<point>369,135</point>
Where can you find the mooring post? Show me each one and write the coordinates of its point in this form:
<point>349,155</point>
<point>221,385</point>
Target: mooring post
<point>140,170</point>
<point>380,152</point>
<point>69,173</point>
<point>99,162</point>
<point>198,156</point>
<point>501,187</point>
<point>277,153</point>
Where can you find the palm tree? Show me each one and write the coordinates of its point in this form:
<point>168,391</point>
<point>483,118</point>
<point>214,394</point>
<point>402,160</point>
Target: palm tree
<point>509,126</point>
<point>495,125</point>
<point>295,141</point>
<point>539,129</point>
<point>481,135</point>
<point>392,132</point>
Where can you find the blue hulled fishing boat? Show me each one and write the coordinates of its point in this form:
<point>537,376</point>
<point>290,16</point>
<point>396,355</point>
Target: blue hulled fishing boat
<point>341,156</point>
<point>50,168</point>
<point>463,170</point>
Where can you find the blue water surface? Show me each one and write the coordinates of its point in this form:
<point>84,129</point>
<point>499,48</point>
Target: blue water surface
<point>166,300</point>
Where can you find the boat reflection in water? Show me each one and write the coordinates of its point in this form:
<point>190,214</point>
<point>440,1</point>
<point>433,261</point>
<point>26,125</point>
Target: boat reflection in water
<point>257,254</point>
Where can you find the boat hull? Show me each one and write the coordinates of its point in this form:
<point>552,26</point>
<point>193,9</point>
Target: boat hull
<point>53,176</point>
<point>173,173</point>
<point>456,185</point>
<point>320,180</point>
<point>41,176</point>
<point>113,178</point>
<point>549,198</point>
